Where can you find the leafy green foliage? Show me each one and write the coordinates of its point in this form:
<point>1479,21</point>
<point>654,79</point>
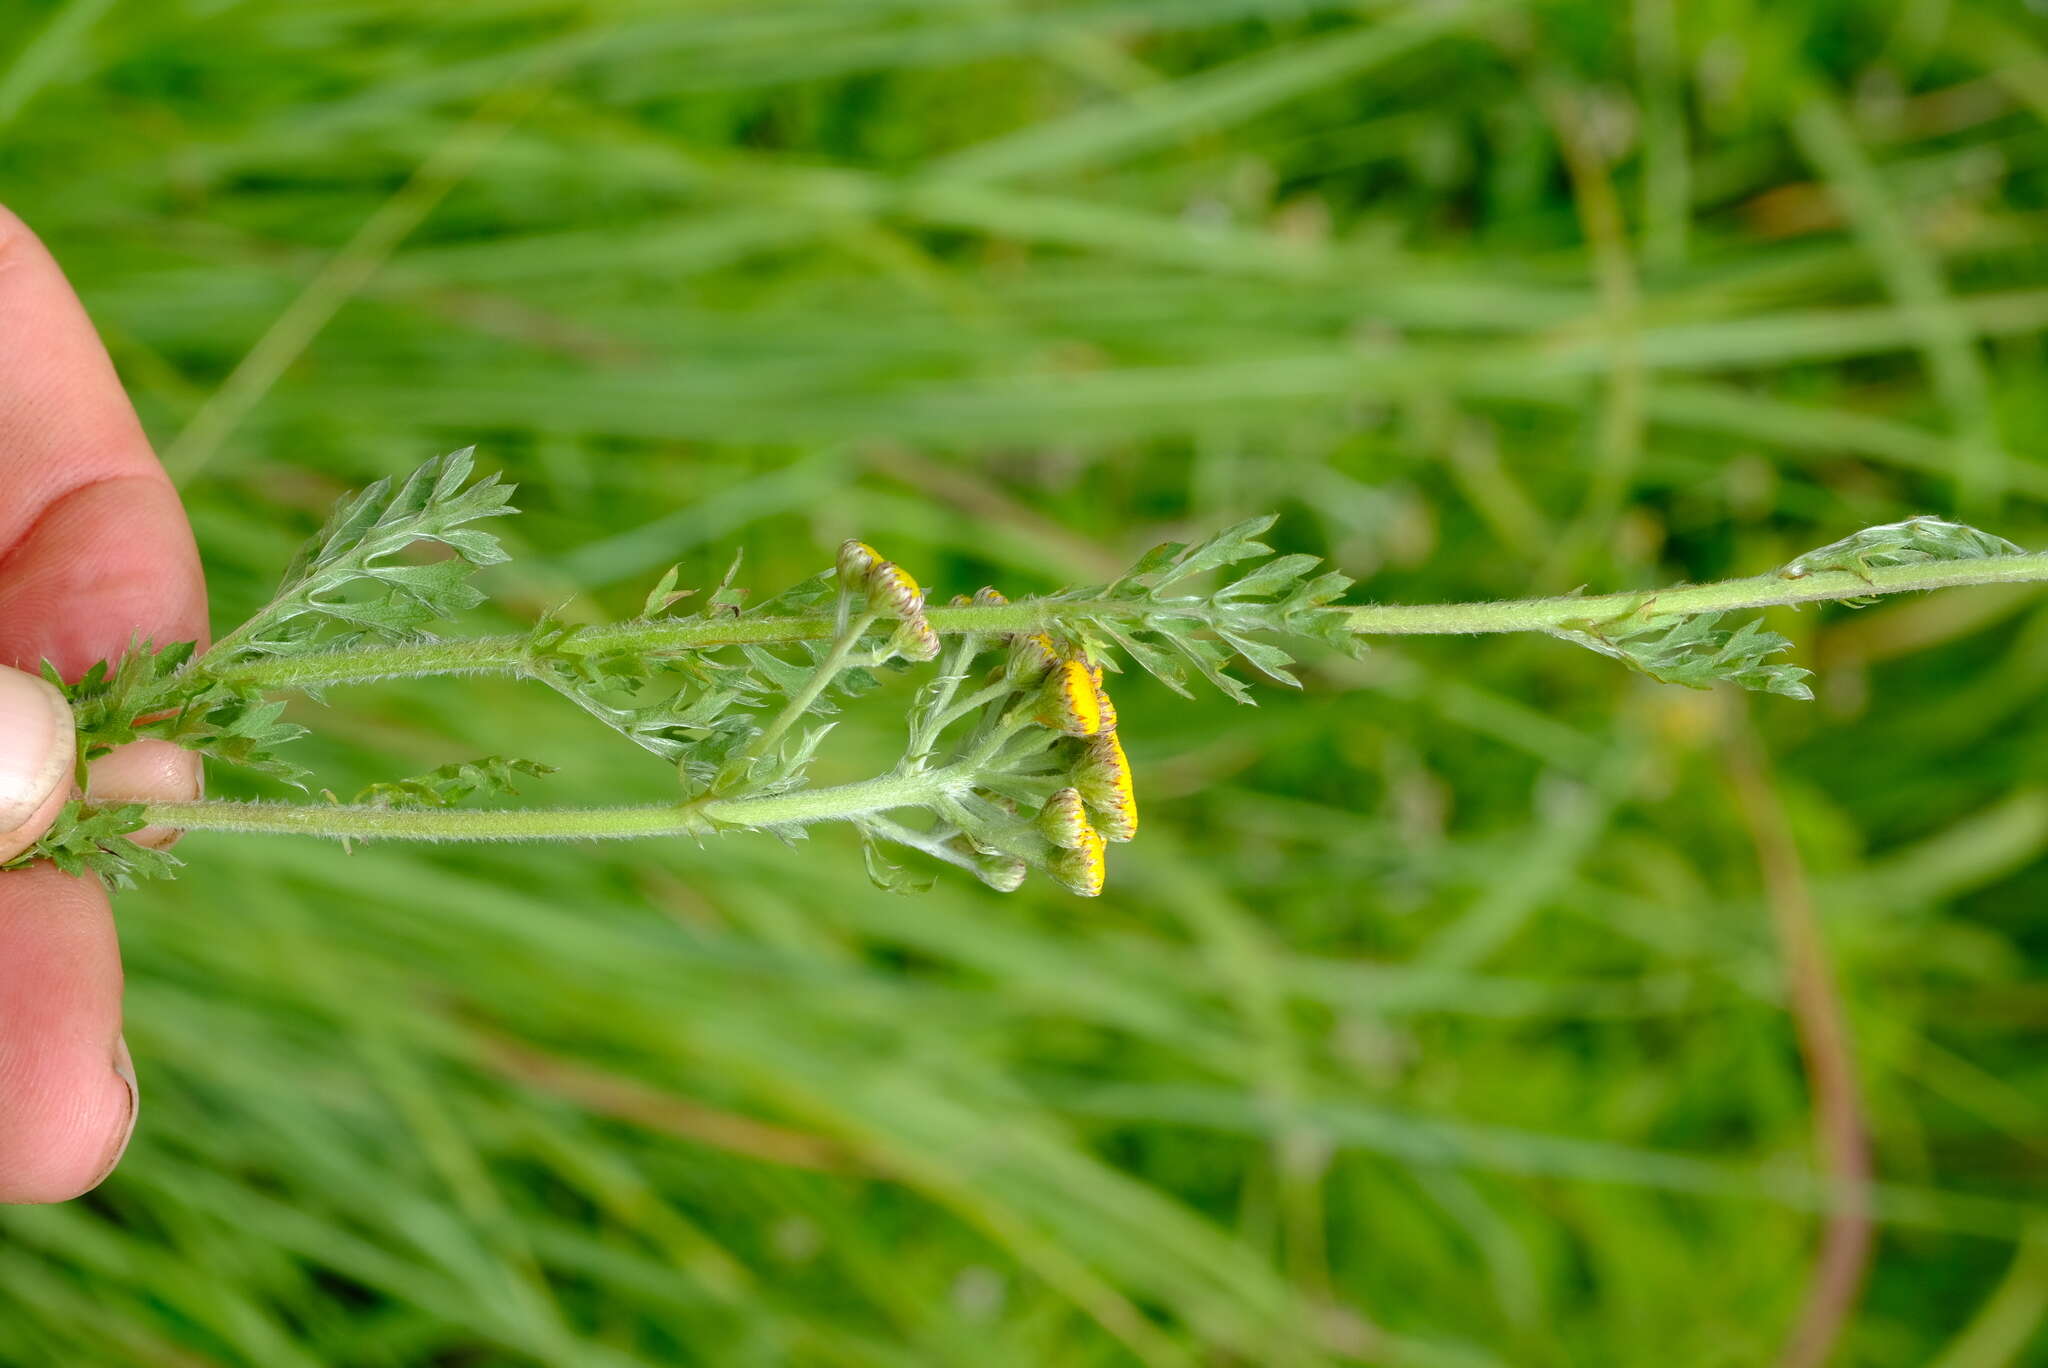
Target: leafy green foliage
<point>453,782</point>
<point>1911,541</point>
<point>160,694</point>
<point>348,584</point>
<point>1172,630</point>
<point>1695,651</point>
<point>689,708</point>
<point>95,840</point>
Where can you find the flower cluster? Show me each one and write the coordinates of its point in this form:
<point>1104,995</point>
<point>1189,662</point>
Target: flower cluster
<point>888,591</point>
<point>1096,802</point>
<point>1042,778</point>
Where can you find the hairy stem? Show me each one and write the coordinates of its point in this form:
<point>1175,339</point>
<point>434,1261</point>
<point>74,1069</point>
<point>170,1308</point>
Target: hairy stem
<point>696,818</point>
<point>825,672</point>
<point>508,655</point>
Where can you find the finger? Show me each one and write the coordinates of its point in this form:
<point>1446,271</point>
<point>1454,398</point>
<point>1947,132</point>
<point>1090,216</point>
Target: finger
<point>94,550</point>
<point>94,547</point>
<point>146,771</point>
<point>67,1096</point>
<point>36,753</point>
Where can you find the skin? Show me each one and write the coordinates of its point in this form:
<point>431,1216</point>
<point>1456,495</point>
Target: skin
<point>94,548</point>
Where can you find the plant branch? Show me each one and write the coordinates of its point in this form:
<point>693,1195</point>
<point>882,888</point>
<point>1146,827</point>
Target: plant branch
<point>508,654</point>
<point>1772,590</point>
<point>360,822</point>
<point>823,674</point>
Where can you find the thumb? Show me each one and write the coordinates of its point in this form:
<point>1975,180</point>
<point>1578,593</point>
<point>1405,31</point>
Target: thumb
<point>36,758</point>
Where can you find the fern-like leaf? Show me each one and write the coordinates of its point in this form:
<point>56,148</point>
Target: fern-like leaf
<point>1695,651</point>
<point>95,841</point>
<point>451,783</point>
<point>345,584</point>
<point>1913,541</point>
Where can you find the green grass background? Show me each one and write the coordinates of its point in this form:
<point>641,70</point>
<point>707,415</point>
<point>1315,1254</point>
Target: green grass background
<point>1436,1018</point>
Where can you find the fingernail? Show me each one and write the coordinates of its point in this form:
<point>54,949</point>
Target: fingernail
<point>124,1069</point>
<point>35,745</point>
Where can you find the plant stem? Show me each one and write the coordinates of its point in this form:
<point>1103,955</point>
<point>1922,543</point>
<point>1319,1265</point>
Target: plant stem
<point>507,655</point>
<point>362,823</point>
<point>800,702</point>
<point>1755,591</point>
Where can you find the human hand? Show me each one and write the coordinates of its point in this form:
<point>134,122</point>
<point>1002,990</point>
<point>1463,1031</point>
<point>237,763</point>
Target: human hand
<point>94,548</point>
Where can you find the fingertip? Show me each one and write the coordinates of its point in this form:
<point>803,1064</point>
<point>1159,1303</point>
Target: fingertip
<point>66,1110</point>
<point>36,758</point>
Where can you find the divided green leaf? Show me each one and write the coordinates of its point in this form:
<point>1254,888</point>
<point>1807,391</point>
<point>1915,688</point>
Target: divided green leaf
<point>346,584</point>
<point>1695,652</point>
<point>451,783</point>
<point>1910,542</point>
<point>95,841</point>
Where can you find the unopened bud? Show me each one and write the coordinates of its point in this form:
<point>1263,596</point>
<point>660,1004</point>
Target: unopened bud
<point>1081,869</point>
<point>1030,657</point>
<point>857,560</point>
<point>1064,820</point>
<point>1102,703</point>
<point>893,591</point>
<point>915,640</point>
<point>1103,777</point>
<point>1067,700</point>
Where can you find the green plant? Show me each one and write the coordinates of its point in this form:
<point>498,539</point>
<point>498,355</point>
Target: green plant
<point>1013,760</point>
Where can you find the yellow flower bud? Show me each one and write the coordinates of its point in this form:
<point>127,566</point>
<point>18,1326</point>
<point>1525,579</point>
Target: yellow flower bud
<point>915,640</point>
<point>1081,869</point>
<point>857,560</point>
<point>1068,701</point>
<point>1064,820</point>
<point>1103,777</point>
<point>893,591</point>
<point>1102,703</point>
<point>1030,657</point>
<point>988,596</point>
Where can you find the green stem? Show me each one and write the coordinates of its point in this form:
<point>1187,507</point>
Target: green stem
<point>360,823</point>
<point>1756,591</point>
<point>926,729</point>
<point>507,655</point>
<point>800,702</point>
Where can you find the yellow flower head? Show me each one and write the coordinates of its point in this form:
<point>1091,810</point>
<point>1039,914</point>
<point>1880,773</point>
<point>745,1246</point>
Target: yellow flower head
<point>1068,701</point>
<point>1104,780</point>
<point>988,596</point>
<point>1081,869</point>
<point>1064,820</point>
